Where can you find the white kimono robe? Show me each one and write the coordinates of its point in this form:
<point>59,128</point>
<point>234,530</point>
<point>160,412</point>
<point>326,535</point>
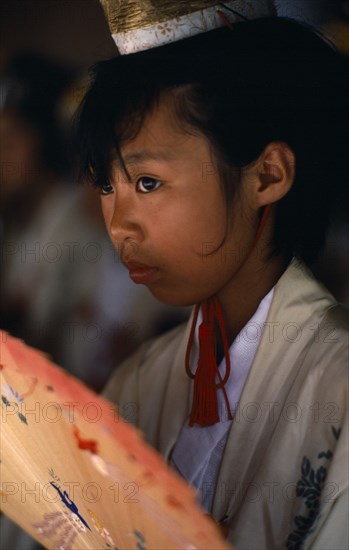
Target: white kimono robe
<point>283,479</point>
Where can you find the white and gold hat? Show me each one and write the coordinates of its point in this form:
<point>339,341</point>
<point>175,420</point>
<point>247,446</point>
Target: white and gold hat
<point>140,25</point>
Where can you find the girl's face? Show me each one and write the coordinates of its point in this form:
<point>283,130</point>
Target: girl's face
<point>169,220</point>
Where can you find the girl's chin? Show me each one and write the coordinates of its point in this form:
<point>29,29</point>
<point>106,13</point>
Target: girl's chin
<point>177,298</point>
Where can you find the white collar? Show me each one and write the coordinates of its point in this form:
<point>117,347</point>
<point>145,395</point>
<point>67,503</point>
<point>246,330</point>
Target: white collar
<point>195,444</point>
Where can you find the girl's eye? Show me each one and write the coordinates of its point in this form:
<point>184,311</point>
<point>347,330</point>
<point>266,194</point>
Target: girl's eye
<point>146,184</point>
<point>105,188</point>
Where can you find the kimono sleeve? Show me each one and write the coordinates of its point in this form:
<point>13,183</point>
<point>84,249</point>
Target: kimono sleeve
<point>331,531</point>
<point>122,387</point>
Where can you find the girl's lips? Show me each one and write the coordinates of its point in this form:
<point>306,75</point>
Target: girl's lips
<point>141,273</point>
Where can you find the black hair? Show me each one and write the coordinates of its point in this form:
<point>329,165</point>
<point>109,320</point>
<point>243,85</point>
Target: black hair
<point>265,80</point>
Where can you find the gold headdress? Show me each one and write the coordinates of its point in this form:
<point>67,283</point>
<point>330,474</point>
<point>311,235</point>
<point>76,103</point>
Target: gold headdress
<point>140,25</point>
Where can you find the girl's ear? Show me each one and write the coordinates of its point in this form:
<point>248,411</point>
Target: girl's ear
<point>274,173</point>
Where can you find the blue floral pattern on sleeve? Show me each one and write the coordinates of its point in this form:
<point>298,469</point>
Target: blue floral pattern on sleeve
<point>309,488</point>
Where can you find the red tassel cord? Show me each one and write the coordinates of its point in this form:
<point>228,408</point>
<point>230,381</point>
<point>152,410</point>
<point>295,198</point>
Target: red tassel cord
<point>205,403</point>
<point>259,231</point>
<point>207,377</point>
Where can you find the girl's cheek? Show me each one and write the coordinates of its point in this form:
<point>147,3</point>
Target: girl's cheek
<point>106,207</point>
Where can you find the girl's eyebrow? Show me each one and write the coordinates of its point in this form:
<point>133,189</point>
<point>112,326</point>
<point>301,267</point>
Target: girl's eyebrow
<point>145,155</point>
<point>137,157</point>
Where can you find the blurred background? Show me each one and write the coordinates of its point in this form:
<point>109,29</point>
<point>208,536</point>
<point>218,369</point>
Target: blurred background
<point>63,288</point>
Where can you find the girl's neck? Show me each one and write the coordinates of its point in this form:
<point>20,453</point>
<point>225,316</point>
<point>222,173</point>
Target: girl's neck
<point>241,297</point>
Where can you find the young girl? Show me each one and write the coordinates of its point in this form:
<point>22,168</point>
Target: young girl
<point>217,157</point>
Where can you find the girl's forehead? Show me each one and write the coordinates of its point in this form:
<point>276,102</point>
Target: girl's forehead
<point>157,127</point>
<point>161,139</point>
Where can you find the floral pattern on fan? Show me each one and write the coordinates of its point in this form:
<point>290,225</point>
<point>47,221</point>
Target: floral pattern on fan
<point>101,529</point>
<point>58,529</point>
<point>68,503</point>
<point>14,399</point>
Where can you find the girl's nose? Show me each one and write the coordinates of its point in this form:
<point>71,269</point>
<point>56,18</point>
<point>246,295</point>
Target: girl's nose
<point>125,226</point>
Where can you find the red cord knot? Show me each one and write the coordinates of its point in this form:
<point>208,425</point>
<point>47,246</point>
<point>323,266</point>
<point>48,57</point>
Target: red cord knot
<point>207,377</point>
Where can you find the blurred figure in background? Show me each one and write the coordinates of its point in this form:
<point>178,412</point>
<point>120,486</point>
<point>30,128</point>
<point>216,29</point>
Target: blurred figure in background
<point>34,163</point>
